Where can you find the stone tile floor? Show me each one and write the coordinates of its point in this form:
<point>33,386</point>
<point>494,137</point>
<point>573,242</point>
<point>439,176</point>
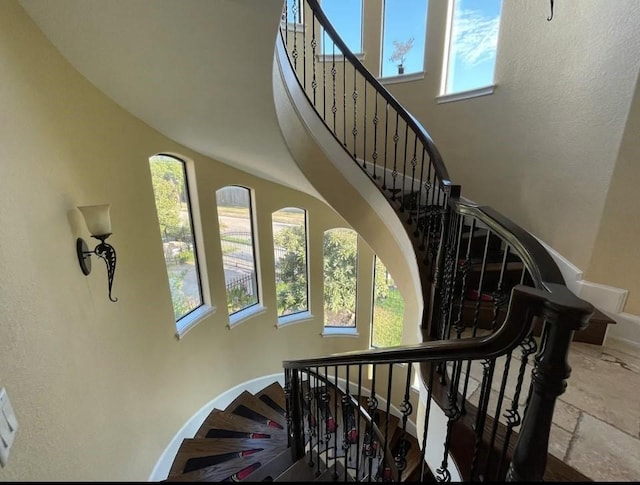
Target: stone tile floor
<point>596,425</point>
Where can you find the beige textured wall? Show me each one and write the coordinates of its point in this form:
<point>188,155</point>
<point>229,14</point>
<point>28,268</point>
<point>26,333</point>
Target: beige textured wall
<point>100,388</point>
<point>616,255</point>
<point>542,148</point>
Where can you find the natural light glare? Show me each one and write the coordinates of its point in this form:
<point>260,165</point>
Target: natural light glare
<point>473,43</point>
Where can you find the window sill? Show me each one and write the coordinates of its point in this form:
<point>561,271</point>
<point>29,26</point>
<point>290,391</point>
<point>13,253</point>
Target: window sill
<point>189,321</point>
<point>338,57</point>
<point>340,332</point>
<point>246,314</point>
<point>293,26</point>
<point>300,317</point>
<point>402,78</point>
<point>473,93</point>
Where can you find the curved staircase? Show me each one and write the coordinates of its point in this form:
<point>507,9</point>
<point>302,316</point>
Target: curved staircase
<point>247,441</point>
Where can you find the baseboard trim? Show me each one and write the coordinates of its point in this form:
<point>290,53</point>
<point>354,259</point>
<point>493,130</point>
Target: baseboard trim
<point>608,299</point>
<point>627,329</point>
<point>189,429</point>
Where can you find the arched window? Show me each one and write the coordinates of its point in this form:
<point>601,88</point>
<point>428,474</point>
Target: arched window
<point>340,277</point>
<point>235,217</point>
<point>290,256</point>
<point>388,309</point>
<point>171,191</point>
<point>403,37</point>
<point>472,34</point>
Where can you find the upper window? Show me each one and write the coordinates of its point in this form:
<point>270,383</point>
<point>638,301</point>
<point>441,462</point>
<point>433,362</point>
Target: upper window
<point>340,276</point>
<point>403,37</point>
<point>171,192</point>
<point>346,18</point>
<point>235,217</point>
<point>472,42</point>
<point>388,309</point>
<point>293,11</point>
<point>290,255</point>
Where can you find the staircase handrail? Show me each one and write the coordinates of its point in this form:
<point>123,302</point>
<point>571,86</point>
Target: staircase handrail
<point>541,265</point>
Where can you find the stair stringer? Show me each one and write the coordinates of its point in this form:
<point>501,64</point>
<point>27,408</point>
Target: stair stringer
<point>346,188</point>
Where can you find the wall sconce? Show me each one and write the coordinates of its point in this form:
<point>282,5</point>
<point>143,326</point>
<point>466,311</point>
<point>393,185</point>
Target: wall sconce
<point>98,222</point>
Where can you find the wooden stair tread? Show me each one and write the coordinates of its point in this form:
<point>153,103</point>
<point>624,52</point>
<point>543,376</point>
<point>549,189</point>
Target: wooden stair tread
<point>274,394</point>
<point>219,472</point>
<point>300,471</point>
<point>247,401</point>
<point>216,450</point>
<point>219,419</point>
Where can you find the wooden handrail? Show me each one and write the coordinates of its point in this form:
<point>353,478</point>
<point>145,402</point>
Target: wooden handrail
<point>526,302</point>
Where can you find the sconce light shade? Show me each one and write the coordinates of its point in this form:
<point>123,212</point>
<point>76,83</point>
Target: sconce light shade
<point>97,218</point>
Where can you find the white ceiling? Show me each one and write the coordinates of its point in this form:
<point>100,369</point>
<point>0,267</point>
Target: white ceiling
<point>198,71</point>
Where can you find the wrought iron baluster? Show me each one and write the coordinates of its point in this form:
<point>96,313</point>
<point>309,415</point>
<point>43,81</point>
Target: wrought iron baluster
<point>364,128</point>
<point>335,425</point>
<point>406,409</point>
<point>374,155</point>
<point>414,198</point>
<point>394,173</point>
<point>386,145</point>
<point>404,167</point>
<point>528,347</point>
<point>334,108</point>
<point>372,407</point>
<point>294,52</point>
<point>416,232</point>
<point>465,268</point>
<point>358,419</point>
<point>354,132</point>
<point>314,44</point>
<point>427,414</point>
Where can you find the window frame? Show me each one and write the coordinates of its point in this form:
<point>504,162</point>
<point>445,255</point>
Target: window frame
<point>446,96</point>
<point>340,329</point>
<point>301,314</point>
<point>203,309</point>
<point>250,310</point>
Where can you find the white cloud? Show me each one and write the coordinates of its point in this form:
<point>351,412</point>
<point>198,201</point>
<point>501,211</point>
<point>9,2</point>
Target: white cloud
<point>475,36</point>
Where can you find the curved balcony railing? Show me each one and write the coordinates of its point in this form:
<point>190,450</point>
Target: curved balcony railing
<point>490,288</point>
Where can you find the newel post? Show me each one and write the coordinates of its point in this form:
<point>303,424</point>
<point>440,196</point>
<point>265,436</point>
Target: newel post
<point>295,430</point>
<point>564,314</point>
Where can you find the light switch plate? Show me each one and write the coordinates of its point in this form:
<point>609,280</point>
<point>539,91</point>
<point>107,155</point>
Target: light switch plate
<point>8,426</point>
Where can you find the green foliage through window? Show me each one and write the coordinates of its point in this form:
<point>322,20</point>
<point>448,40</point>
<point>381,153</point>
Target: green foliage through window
<point>388,310</point>
<point>172,206</point>
<point>340,273</point>
<point>290,254</point>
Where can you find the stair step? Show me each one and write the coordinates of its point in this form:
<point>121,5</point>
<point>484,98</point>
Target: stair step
<point>300,471</point>
<point>223,420</point>
<point>273,396</point>
<point>198,453</point>
<point>249,406</point>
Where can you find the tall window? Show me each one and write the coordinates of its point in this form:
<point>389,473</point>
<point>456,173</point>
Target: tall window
<point>293,11</point>
<point>403,37</point>
<point>473,40</point>
<point>346,18</point>
<point>290,255</point>
<point>235,217</point>
<point>171,192</point>
<point>388,309</point>
<point>340,275</point>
